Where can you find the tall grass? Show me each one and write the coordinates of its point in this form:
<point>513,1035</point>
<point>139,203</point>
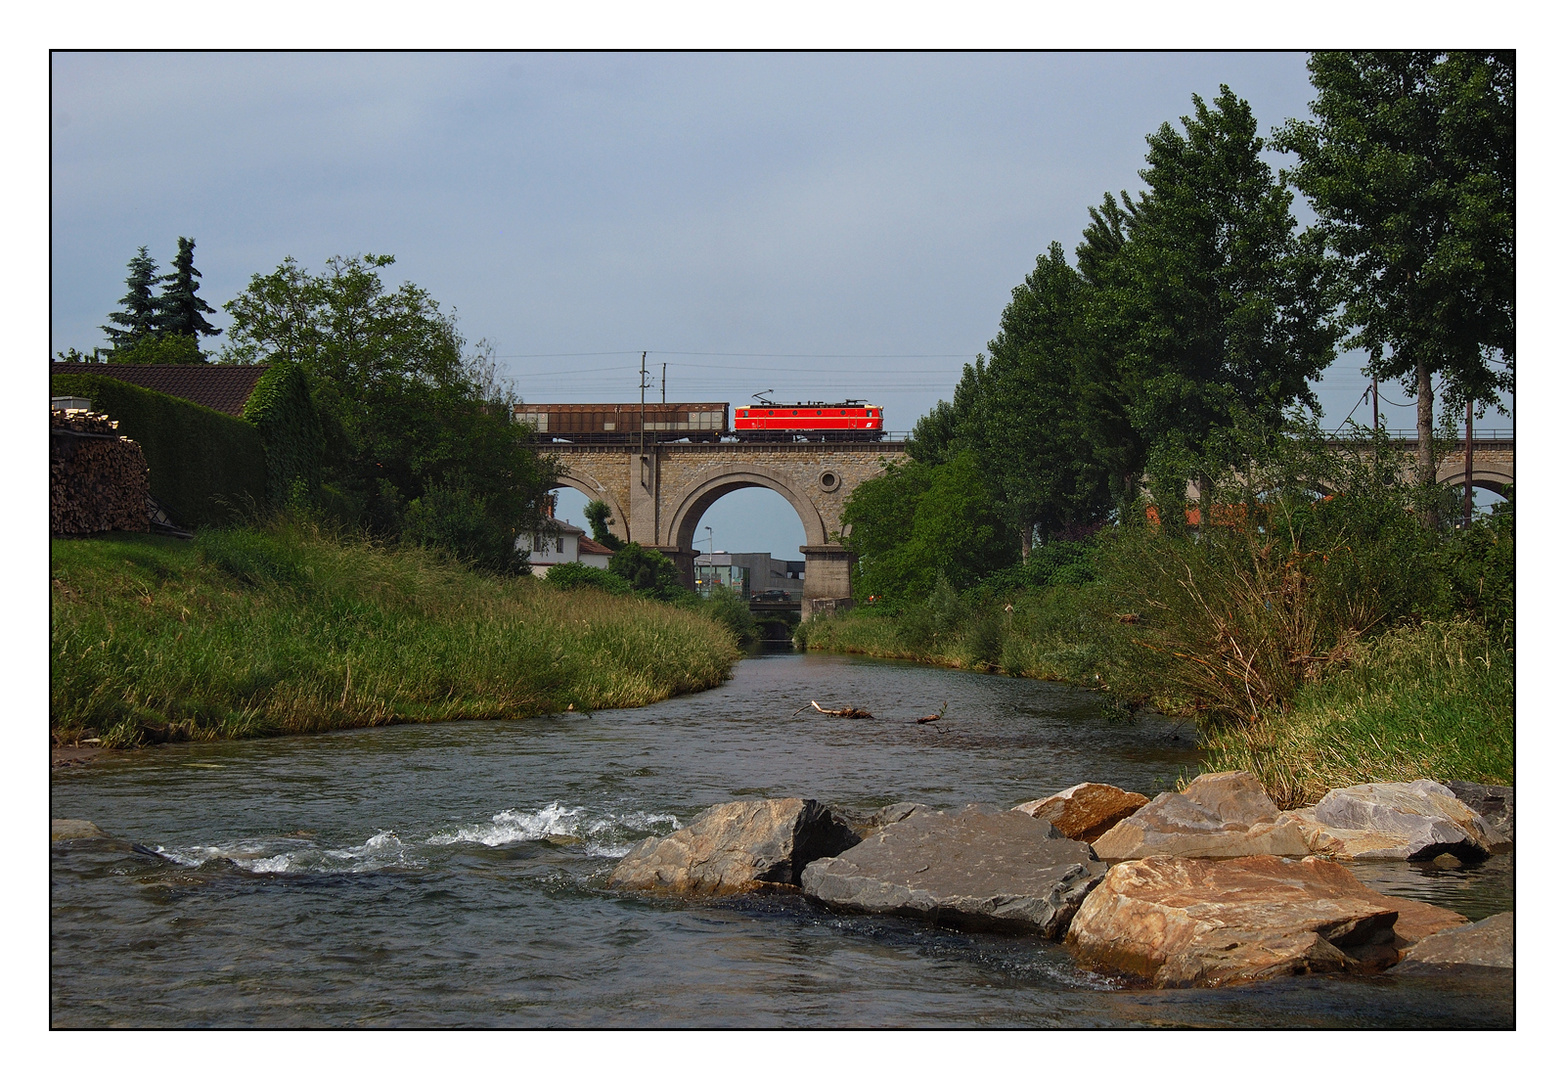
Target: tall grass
<point>260,631</point>
<point>1434,701</point>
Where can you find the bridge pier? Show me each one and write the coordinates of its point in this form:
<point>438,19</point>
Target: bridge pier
<point>828,586</point>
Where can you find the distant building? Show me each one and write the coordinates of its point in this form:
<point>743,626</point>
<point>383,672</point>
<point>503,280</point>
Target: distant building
<point>561,542</point>
<point>717,569</point>
<point>762,573</point>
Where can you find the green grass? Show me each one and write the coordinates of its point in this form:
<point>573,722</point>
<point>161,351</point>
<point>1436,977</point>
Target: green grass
<point>1436,701</point>
<point>281,630</point>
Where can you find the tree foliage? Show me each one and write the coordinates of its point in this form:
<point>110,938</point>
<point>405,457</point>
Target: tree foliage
<point>418,435</point>
<point>1410,164</point>
<point>597,512</point>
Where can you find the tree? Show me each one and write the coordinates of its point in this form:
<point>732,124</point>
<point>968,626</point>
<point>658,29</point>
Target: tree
<point>420,441</point>
<point>1410,164</point>
<point>597,512</point>
<point>180,311</point>
<point>138,314</point>
<point>1214,303</point>
<point>919,524</point>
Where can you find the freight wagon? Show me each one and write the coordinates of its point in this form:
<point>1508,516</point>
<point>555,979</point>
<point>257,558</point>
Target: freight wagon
<point>702,422</point>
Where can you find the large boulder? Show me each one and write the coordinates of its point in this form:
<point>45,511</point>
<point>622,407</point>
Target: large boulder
<point>734,847</point>
<point>1415,821</point>
<point>1219,815</point>
<point>1199,922</point>
<point>1490,943</point>
<point>1086,811</point>
<point>1495,802</point>
<point>978,868</point>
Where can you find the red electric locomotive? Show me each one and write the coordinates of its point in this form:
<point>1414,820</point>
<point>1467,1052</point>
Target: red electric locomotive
<point>811,420</point>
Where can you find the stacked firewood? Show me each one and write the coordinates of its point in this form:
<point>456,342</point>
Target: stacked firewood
<point>97,478</point>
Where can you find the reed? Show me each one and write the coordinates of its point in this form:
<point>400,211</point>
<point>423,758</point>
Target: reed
<point>283,629</point>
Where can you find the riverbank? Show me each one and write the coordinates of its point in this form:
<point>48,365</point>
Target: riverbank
<point>1437,700</point>
<point>283,630</point>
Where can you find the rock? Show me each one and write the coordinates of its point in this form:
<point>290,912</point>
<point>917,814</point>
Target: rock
<point>1447,861</point>
<point>979,868</point>
<point>1490,943</point>
<point>736,846</point>
<point>887,815</point>
<point>61,829</point>
<point>1219,815</point>
<point>1496,802</point>
<point>1086,811</point>
<point>1199,922</point>
<point>1415,821</point>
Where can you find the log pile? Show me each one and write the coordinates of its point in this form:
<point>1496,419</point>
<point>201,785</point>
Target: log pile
<point>97,478</point>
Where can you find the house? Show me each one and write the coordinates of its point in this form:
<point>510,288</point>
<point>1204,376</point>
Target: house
<point>561,542</point>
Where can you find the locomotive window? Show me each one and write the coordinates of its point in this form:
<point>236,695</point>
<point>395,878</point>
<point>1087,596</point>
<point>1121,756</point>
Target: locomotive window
<point>796,412</point>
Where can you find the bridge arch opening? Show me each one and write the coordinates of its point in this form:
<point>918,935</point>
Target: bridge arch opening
<point>573,493</point>
<point>692,504</point>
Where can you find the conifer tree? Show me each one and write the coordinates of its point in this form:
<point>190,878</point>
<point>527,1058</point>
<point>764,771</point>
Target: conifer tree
<point>138,316</point>
<point>179,309</point>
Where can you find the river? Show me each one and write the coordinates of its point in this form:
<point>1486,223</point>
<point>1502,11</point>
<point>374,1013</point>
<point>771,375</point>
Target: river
<point>453,874</point>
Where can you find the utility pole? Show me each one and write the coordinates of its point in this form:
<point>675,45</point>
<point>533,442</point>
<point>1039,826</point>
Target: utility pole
<point>1467,498</point>
<point>1374,388</point>
<point>665,382</point>
<point>643,424</point>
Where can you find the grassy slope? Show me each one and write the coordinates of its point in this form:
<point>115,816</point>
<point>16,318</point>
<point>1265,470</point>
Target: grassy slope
<point>243,633</point>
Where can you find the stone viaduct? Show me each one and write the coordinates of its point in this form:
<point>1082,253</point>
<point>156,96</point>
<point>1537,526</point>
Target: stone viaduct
<point>658,493</point>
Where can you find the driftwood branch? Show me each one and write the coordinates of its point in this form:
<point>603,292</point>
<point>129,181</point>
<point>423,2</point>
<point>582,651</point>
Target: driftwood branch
<point>850,712</point>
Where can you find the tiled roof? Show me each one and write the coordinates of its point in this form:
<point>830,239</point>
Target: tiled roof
<point>223,387</point>
<point>588,546</point>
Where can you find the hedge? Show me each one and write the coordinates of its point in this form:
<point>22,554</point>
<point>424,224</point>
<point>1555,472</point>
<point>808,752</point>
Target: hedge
<point>281,409</point>
<point>202,465</point>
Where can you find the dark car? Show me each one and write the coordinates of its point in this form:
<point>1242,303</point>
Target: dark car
<point>771,596</point>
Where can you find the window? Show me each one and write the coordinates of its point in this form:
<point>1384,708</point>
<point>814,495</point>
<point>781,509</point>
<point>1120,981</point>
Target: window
<point>559,545</point>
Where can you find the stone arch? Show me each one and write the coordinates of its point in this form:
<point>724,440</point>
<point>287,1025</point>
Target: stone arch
<point>591,487</point>
<point>698,497</point>
<point>1488,479</point>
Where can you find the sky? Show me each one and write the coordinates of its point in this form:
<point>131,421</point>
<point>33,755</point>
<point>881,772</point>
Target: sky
<point>817,225</point>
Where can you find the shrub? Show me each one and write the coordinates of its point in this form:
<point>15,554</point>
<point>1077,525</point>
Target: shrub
<point>648,571</point>
<point>582,576</point>
<point>458,522</point>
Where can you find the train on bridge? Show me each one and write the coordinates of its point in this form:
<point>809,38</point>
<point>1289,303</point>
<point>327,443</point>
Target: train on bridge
<point>768,421</point>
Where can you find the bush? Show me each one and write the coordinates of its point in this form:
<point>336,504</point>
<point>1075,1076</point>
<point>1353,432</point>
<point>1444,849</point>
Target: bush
<point>730,609</point>
<point>458,522</point>
<point>207,468</point>
<point>582,576</point>
<point>647,570</point>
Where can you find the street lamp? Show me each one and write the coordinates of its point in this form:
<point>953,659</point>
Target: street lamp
<point>711,559</point>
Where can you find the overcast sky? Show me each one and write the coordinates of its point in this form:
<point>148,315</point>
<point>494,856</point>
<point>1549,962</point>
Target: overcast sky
<point>818,225</point>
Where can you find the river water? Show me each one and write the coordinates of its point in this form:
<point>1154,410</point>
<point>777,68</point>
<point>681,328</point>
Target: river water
<point>453,874</point>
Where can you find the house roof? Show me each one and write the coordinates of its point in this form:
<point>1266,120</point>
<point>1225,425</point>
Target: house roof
<point>588,546</point>
<point>223,387</point>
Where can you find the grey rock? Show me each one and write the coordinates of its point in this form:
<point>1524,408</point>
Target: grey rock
<point>900,811</point>
<point>1495,802</point>
<point>1490,943</point>
<point>1416,821</point>
<point>1218,816</point>
<point>979,868</point>
<point>737,846</point>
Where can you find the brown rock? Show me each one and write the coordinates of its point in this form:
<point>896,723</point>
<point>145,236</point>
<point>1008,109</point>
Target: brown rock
<point>1086,811</point>
<point>736,846</point>
<point>1195,922</point>
<point>61,829</point>
<point>1219,815</point>
<point>1490,943</point>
